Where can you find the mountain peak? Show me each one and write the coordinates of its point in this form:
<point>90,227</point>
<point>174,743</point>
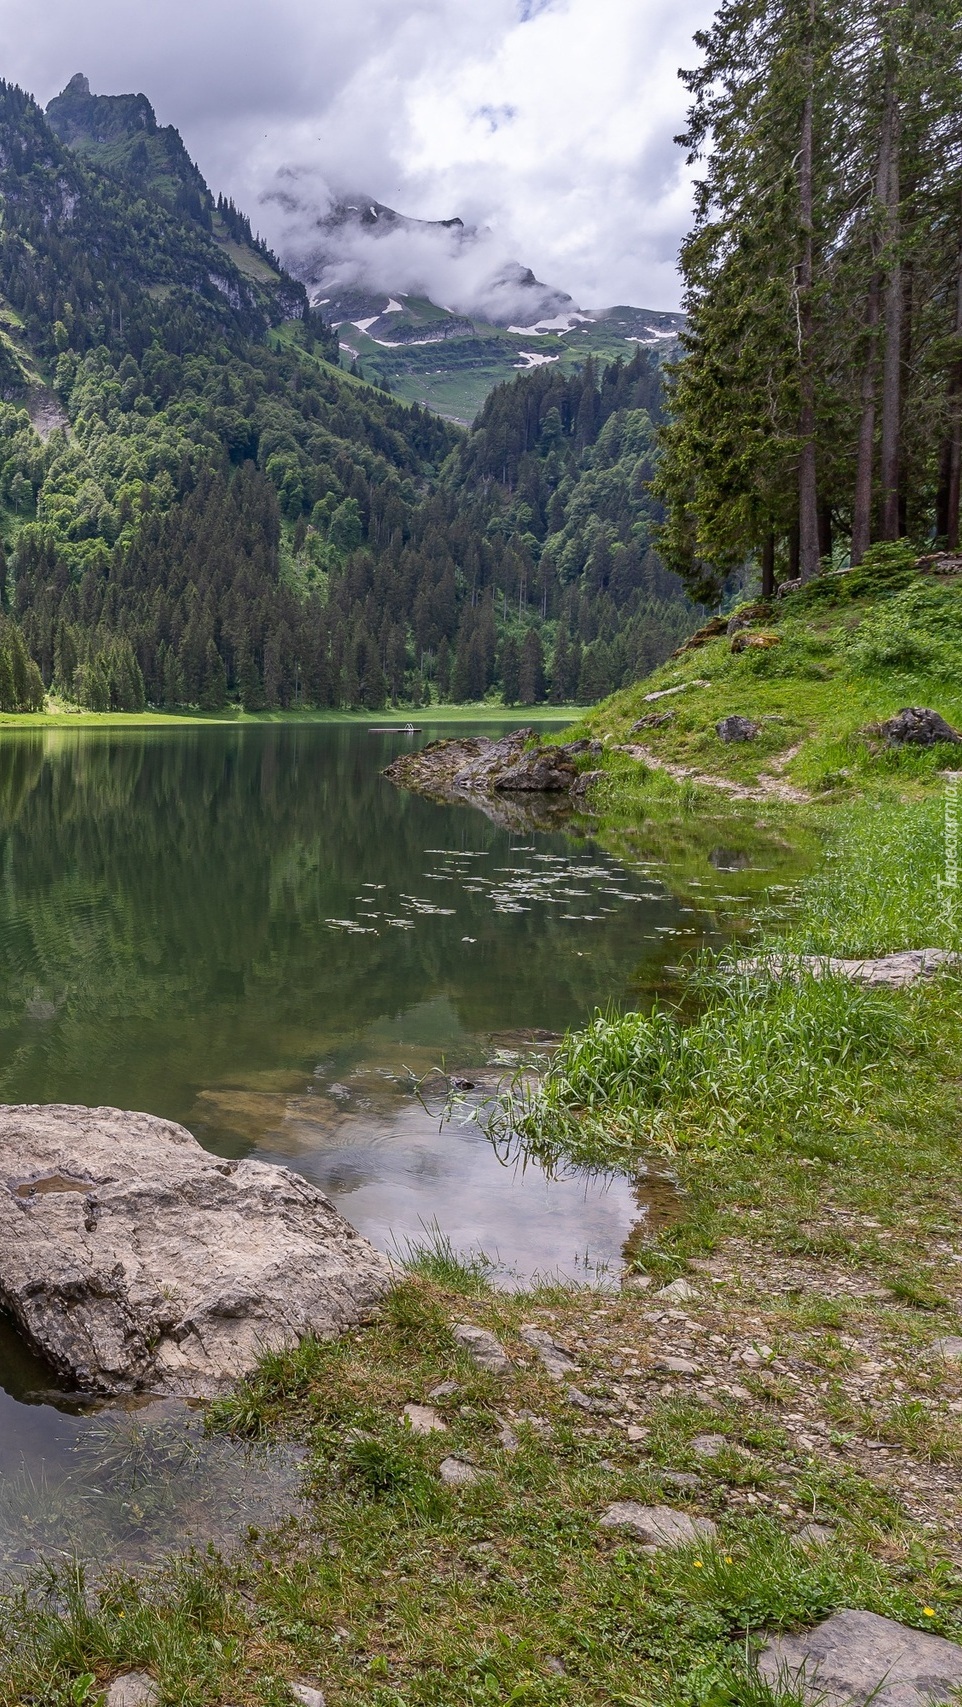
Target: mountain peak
<point>78,85</point>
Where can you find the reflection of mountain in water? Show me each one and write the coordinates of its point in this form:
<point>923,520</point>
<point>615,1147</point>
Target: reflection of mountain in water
<point>171,902</point>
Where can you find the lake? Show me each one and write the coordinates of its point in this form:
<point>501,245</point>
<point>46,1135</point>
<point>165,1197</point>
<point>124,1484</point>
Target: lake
<point>246,929</point>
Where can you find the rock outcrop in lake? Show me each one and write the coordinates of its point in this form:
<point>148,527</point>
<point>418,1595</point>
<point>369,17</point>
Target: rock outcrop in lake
<point>134,1260</point>
<point>507,777</point>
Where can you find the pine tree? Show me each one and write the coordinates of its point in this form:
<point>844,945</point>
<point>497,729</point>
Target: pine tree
<point>531,683</point>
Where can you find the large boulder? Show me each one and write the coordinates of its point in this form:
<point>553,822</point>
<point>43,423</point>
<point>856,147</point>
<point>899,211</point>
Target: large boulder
<point>475,769</point>
<point>132,1259</point>
<point>856,1658</point>
<point>917,726</point>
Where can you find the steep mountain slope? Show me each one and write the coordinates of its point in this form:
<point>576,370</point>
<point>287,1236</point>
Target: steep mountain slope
<point>196,504</point>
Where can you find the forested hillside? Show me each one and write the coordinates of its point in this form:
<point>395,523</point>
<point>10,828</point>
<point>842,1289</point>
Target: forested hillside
<point>197,505</point>
<point>818,409</point>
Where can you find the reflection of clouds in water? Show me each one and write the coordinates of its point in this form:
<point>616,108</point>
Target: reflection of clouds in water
<point>421,1173</point>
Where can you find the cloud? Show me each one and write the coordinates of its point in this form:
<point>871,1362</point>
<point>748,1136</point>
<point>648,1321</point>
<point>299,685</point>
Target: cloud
<point>547,121</point>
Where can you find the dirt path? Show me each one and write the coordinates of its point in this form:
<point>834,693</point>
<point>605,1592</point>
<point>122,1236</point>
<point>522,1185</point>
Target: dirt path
<point>767,787</point>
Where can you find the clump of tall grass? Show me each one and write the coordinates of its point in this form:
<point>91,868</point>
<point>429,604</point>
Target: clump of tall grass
<point>882,886</point>
<point>434,1257</point>
<point>769,1048</point>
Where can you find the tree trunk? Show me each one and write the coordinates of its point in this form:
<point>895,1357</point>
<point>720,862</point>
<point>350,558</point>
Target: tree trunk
<point>954,482</point>
<point>862,507</point>
<point>768,567</point>
<point>807,470</point>
<point>892,361</point>
<point>824,527</point>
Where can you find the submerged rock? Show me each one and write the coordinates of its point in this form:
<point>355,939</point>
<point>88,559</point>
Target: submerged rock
<point>132,1259</point>
<point>854,1658</point>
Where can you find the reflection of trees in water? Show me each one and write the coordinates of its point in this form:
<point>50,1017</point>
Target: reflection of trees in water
<point>163,899</point>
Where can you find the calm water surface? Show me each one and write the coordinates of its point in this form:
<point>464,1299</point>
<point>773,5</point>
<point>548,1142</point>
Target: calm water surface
<point>249,931</point>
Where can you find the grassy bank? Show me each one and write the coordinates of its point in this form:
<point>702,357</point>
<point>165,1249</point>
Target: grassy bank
<point>426,717</point>
<point>813,1132</point>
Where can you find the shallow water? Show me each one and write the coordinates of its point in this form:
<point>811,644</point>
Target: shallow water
<point>249,931</point>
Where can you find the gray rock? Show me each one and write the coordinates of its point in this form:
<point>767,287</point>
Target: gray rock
<point>133,1259</point>
<point>681,1479</point>
<point>444,1390</point>
<point>886,971</point>
<point>654,720</point>
<point>678,1292</point>
<point>677,1365</point>
<point>134,1689</point>
<point>483,1348</point>
<point>917,726</point>
<point>735,728</point>
<point>556,1358</point>
<point>307,1695</point>
<point>950,1348</point>
<point>787,587</point>
<point>857,1657</point>
<point>708,1445</point>
<point>815,1535</point>
<point>458,1473</point>
<point>507,1439</point>
<point>424,1419</point>
<point>635,1280</point>
<point>658,1525</point>
<point>583,1402</point>
<point>540,770</point>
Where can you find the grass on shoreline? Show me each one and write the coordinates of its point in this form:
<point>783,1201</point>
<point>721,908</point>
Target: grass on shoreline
<point>425,717</point>
<point>814,1133</point>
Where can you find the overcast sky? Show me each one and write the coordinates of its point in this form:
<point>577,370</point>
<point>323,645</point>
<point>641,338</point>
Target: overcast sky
<point>551,121</point>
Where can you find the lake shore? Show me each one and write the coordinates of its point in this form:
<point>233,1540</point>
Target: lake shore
<point>783,1363</point>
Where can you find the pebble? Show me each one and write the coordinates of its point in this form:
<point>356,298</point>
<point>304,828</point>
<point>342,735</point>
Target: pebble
<point>636,1435</point>
<point>458,1473</point>
<point>507,1438</point>
<point>446,1390</point>
<point>483,1348</point>
<point>949,1348</point>
<point>307,1695</point>
<point>678,1292</point>
<point>424,1419</point>
<point>678,1365</point>
<point>815,1535</point>
<point>681,1479</point>
<point>134,1689</point>
<point>556,1358</point>
<point>635,1280</point>
<point>658,1525</point>
<point>708,1445</point>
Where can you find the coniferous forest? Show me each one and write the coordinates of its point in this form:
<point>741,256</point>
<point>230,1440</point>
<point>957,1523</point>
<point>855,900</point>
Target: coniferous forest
<point>817,411</point>
<point>198,506</point>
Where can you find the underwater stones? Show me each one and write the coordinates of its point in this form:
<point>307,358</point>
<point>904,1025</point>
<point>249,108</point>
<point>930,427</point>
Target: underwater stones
<point>658,1525</point>
<point>858,1657</point>
<point>134,1260</point>
<point>736,728</point>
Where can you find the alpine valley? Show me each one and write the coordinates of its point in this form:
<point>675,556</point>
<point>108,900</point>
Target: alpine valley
<point>199,506</point>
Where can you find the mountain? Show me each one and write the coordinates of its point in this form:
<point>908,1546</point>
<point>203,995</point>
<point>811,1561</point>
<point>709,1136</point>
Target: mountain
<point>381,278</point>
<point>198,505</point>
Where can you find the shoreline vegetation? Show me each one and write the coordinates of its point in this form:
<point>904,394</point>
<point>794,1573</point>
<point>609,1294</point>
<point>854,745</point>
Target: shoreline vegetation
<point>781,1361</point>
<point>420,717</point>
